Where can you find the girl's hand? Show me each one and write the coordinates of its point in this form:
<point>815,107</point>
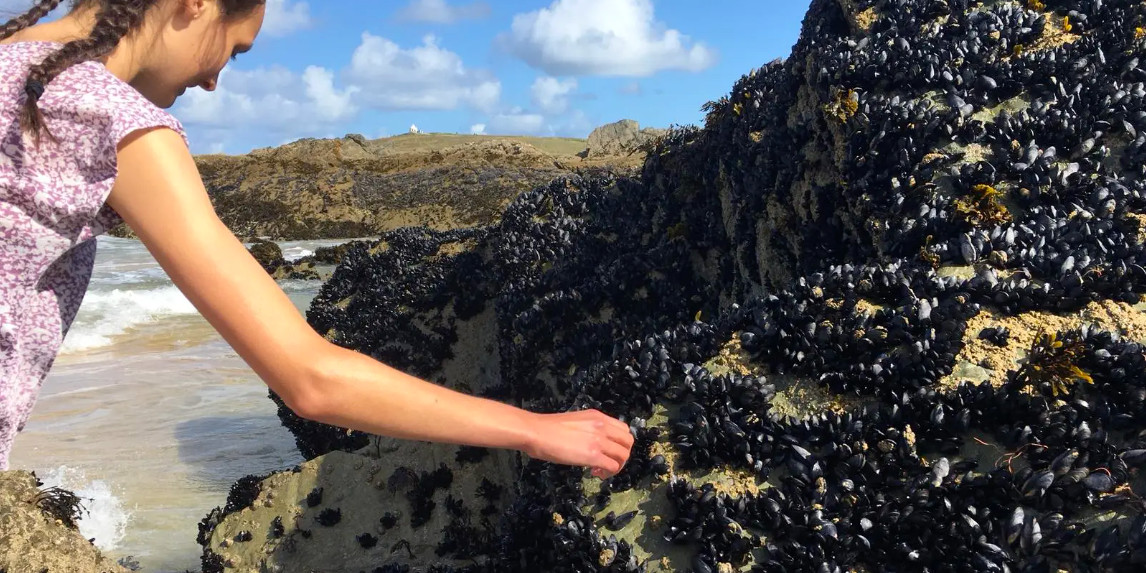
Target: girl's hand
<point>582,438</point>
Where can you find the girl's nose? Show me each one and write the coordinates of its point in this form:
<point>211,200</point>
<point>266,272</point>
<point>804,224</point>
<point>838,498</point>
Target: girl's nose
<point>208,85</point>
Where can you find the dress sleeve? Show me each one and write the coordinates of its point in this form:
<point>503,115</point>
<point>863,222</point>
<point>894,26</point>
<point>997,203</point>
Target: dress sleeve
<point>142,115</point>
<point>129,112</point>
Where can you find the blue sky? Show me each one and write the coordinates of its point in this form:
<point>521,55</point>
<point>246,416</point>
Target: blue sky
<point>535,67</point>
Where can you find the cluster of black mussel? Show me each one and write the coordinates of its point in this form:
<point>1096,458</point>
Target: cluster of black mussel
<point>1002,137</point>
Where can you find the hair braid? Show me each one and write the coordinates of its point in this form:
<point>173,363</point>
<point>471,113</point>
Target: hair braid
<point>33,15</point>
<point>114,20</point>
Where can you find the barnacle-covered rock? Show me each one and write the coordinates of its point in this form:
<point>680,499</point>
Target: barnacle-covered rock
<point>788,306</point>
<point>38,529</point>
<point>270,257</point>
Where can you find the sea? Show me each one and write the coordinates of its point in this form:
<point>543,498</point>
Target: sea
<point>148,414</point>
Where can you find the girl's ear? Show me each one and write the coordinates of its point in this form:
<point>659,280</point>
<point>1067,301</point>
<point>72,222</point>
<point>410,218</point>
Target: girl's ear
<point>194,8</point>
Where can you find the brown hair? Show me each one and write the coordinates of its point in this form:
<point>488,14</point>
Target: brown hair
<point>114,20</point>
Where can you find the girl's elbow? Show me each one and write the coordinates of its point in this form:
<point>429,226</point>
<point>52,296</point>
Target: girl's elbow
<point>307,392</point>
<point>306,404</point>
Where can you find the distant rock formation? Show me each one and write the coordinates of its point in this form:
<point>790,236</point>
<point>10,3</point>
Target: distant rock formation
<point>621,138</point>
<point>355,187</point>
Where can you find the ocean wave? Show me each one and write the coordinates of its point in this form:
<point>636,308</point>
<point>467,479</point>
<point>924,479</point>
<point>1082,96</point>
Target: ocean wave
<point>292,254</point>
<point>103,517</point>
<point>131,275</point>
<point>107,314</point>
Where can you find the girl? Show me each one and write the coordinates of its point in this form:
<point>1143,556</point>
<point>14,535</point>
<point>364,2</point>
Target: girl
<point>85,144</point>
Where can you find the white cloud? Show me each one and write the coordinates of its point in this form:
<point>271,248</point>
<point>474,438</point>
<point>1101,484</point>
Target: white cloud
<point>331,104</point>
<point>602,37</point>
<point>551,95</point>
<point>631,88</point>
<point>263,98</point>
<point>517,122</point>
<point>278,103</point>
<point>477,129</point>
<point>425,77</point>
<point>284,17</point>
<point>439,12</point>
<point>576,124</point>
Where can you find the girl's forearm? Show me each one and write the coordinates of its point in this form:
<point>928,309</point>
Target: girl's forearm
<point>351,390</point>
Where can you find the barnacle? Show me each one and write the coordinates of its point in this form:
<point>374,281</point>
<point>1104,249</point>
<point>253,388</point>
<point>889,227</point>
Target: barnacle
<point>982,207</point>
<point>927,256</point>
<point>1036,5</point>
<point>678,230</point>
<point>1053,361</point>
<point>843,104</point>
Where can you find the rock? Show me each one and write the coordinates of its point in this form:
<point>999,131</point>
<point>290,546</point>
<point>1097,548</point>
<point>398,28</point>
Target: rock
<point>270,257</point>
<point>358,488</point>
<point>332,255</point>
<point>33,540</point>
<point>268,254</point>
<point>355,187</point>
<point>793,243</point>
<point>303,271</point>
<point>621,138</point>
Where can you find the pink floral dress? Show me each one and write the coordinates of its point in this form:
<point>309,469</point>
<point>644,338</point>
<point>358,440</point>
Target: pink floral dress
<point>51,209</point>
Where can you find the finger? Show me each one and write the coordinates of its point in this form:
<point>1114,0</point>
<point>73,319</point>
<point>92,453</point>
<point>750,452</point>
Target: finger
<point>616,452</point>
<point>603,457</point>
<point>603,419</point>
<point>606,462</point>
<point>620,433</point>
<point>612,422</point>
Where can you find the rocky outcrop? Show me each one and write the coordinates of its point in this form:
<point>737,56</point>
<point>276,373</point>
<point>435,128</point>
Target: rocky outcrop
<point>623,137</point>
<point>330,255</point>
<point>38,532</point>
<point>354,187</point>
<point>270,257</point>
<point>268,254</point>
<point>881,312</point>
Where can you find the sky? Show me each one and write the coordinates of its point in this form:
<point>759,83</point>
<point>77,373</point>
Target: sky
<point>513,67</point>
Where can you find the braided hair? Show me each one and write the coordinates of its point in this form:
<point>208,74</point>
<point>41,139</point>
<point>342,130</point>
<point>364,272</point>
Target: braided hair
<point>114,20</point>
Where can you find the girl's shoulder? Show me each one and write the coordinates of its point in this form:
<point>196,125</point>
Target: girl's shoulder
<point>84,93</point>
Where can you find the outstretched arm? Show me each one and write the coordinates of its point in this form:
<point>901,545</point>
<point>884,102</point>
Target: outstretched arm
<point>160,194</point>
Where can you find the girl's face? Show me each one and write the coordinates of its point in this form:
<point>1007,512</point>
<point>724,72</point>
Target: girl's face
<point>196,41</point>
